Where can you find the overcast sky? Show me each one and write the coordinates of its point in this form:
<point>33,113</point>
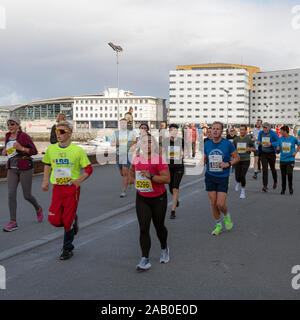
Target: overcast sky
<point>53,48</point>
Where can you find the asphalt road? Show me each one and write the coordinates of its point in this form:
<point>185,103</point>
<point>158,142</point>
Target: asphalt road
<point>253,261</point>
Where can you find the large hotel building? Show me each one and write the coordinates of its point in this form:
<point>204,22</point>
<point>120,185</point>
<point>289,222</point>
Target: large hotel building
<point>233,94</point>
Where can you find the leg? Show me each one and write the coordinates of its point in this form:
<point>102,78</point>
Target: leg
<point>213,202</point>
<point>283,176</point>
<point>221,202</point>
<point>264,161</point>
<point>159,209</point>
<point>272,162</point>
<point>238,172</point>
<point>244,169</point>
<point>124,174</point>
<point>12,182</point>
<point>290,168</point>
<point>26,183</point>
<point>144,215</point>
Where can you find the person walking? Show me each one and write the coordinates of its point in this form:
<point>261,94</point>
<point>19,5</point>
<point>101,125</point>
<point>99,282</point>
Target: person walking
<point>19,148</point>
<point>219,155</point>
<point>173,153</point>
<point>288,151</point>
<point>129,118</point>
<point>53,137</point>
<point>268,142</point>
<point>64,160</point>
<point>150,173</point>
<point>123,139</point>
<point>244,145</point>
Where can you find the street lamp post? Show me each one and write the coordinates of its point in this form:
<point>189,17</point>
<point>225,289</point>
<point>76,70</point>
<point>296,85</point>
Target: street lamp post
<point>227,92</point>
<point>117,49</point>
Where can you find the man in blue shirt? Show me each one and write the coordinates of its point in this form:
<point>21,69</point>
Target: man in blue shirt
<point>219,155</point>
<point>287,148</point>
<point>267,142</point>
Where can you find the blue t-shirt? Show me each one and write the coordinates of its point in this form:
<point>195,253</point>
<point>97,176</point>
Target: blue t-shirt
<point>298,133</point>
<point>216,153</point>
<point>287,148</point>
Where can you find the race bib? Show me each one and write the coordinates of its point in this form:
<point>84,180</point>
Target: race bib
<point>214,161</point>
<point>143,184</point>
<point>62,176</point>
<point>265,140</point>
<point>241,147</point>
<point>11,152</point>
<point>174,152</point>
<point>286,147</point>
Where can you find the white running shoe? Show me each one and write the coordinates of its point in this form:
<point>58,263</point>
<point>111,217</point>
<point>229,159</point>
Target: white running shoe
<point>144,264</point>
<point>243,195</point>
<point>237,187</point>
<point>164,255</point>
<point>123,194</point>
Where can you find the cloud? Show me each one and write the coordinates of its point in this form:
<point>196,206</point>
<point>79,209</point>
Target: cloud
<point>55,48</point>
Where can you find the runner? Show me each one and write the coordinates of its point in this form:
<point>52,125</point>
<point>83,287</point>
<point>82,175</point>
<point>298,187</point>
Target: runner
<point>66,160</point>
<point>53,137</point>
<point>231,134</point>
<point>135,147</point>
<point>244,146</point>
<point>257,159</point>
<point>19,148</point>
<point>123,140</point>
<point>287,148</point>
<point>129,118</point>
<point>217,155</point>
<point>173,152</point>
<point>150,173</point>
<point>268,142</point>
<point>209,134</point>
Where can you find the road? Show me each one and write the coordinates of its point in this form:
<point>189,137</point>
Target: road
<point>253,261</point>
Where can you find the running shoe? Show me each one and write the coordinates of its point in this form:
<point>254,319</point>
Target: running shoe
<point>217,230</point>
<point>255,175</point>
<point>243,195</point>
<point>282,192</point>
<point>40,215</point>
<point>228,223</point>
<point>264,189</point>
<point>291,191</point>
<point>12,226</point>
<point>237,187</point>
<point>144,264</point>
<point>123,194</point>
<point>66,254</point>
<point>172,216</point>
<point>164,255</point>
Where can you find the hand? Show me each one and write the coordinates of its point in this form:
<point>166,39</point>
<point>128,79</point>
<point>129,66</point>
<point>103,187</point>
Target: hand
<point>248,149</point>
<point>76,183</point>
<point>4,152</point>
<point>45,186</point>
<point>294,154</point>
<point>224,165</point>
<point>146,173</point>
<point>17,146</point>
<point>268,145</point>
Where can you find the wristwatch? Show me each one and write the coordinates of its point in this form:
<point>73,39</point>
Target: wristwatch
<point>151,176</point>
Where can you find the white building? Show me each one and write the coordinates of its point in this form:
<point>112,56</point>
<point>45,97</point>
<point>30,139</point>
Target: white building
<point>197,93</point>
<point>275,97</point>
<point>101,111</point>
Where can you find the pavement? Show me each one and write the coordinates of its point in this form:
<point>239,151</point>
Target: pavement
<point>253,261</point>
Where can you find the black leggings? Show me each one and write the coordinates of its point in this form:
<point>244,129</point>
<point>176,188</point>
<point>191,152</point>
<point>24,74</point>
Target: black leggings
<point>241,169</point>
<point>155,209</point>
<point>268,158</point>
<point>286,169</point>
<point>176,175</point>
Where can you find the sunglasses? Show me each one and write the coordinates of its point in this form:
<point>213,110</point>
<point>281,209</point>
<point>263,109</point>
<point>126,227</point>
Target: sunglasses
<point>62,131</point>
<point>11,124</point>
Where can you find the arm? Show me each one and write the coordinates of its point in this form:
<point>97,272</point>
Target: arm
<point>131,175</point>
<point>162,178</point>
<point>3,152</point>
<point>88,170</point>
<point>45,184</point>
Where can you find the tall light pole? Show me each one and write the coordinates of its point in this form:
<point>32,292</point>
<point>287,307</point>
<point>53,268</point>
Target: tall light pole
<point>227,92</point>
<point>117,49</point>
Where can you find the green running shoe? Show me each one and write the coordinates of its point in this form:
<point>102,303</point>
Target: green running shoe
<point>228,223</point>
<point>217,231</point>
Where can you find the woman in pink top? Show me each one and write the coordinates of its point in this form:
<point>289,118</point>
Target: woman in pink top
<point>150,173</point>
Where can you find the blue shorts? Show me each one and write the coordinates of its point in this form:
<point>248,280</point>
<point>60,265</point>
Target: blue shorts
<point>123,161</point>
<point>219,184</point>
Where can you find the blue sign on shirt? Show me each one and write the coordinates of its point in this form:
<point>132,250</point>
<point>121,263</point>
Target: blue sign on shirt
<point>287,148</point>
<point>216,153</point>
